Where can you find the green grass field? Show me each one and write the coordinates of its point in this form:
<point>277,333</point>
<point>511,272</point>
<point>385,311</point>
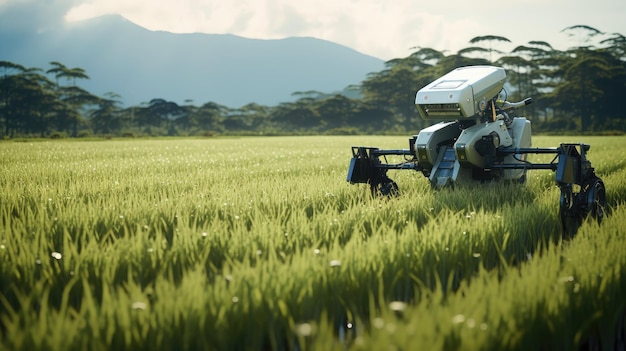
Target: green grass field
<point>260,243</point>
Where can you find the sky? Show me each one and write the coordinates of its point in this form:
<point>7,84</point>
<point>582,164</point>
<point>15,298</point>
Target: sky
<point>383,29</point>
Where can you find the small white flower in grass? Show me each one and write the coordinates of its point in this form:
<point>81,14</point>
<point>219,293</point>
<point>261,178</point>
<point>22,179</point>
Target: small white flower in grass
<point>304,329</point>
<point>2,247</point>
<point>204,234</point>
<point>56,255</point>
<point>397,306</point>
<point>476,254</point>
<point>458,319</point>
<point>235,299</point>
<point>259,252</point>
<point>335,263</point>
<point>37,261</point>
<point>139,305</point>
<point>316,251</point>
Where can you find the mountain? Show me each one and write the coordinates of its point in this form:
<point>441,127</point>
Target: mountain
<point>140,65</point>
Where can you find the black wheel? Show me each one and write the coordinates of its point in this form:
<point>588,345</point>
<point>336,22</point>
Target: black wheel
<point>389,189</point>
<point>570,217</point>
<point>522,179</point>
<point>596,199</point>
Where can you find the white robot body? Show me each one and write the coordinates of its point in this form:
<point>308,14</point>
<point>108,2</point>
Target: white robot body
<point>454,151</point>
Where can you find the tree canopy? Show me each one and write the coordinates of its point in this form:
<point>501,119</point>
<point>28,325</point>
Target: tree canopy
<point>577,89</point>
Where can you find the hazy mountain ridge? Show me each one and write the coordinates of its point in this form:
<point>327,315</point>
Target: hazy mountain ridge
<point>140,65</point>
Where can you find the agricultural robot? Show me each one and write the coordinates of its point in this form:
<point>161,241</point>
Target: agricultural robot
<point>475,140</point>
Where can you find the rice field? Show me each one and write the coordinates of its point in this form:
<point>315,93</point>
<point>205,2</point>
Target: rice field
<point>260,243</point>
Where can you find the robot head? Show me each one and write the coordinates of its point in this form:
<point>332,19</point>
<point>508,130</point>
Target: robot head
<point>461,93</point>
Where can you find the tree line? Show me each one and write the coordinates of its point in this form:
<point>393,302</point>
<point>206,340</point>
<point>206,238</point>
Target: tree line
<point>579,90</point>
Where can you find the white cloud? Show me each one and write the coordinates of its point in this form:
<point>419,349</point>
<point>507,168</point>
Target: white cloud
<point>380,28</point>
